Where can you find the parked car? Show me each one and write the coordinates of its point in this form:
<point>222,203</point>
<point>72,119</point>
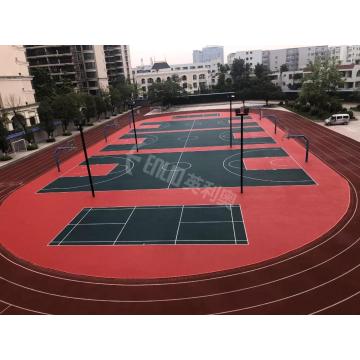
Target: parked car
<point>338,119</point>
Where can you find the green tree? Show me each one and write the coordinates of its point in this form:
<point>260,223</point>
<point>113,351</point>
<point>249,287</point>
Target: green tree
<point>100,106</point>
<point>88,103</point>
<point>46,116</point>
<point>260,71</point>
<point>66,87</point>
<point>223,83</point>
<point>320,85</point>
<point>240,74</point>
<point>4,142</point>
<point>117,100</point>
<point>107,100</point>
<point>165,92</point>
<point>66,109</point>
<point>283,68</point>
<point>43,84</point>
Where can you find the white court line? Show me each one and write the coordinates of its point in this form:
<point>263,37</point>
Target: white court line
<point>290,154</point>
<point>209,222</point>
<point>124,226</point>
<point>177,231</point>
<point>94,224</point>
<point>187,139</point>
<point>233,225</point>
<point>74,226</point>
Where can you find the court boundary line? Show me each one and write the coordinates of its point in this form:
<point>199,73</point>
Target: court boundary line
<point>73,227</point>
<point>122,229</point>
<point>114,243</point>
<point>179,223</point>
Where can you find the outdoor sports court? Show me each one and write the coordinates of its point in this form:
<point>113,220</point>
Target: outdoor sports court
<point>174,208</point>
<point>192,225</point>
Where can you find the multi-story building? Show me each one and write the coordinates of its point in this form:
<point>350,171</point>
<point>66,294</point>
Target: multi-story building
<point>192,77</point>
<point>16,92</point>
<point>297,58</point>
<point>346,54</point>
<point>251,57</point>
<point>291,81</point>
<point>82,65</point>
<point>209,54</point>
<point>118,64</point>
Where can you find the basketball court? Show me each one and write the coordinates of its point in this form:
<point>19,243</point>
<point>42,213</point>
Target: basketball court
<point>174,208</point>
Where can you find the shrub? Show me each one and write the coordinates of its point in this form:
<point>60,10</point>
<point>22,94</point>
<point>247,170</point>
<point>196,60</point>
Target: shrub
<point>31,147</point>
<point>66,133</point>
<point>314,110</point>
<point>350,112</point>
<point>281,103</point>
<point>5,157</point>
<point>50,140</point>
<point>307,107</point>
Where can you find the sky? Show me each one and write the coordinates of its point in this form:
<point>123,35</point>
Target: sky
<point>172,29</point>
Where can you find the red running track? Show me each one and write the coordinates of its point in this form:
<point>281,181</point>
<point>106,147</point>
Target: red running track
<point>278,219</point>
<point>322,277</point>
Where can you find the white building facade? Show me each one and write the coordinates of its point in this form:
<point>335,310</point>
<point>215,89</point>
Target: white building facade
<point>16,92</point>
<point>297,58</point>
<point>251,57</point>
<point>290,81</point>
<point>193,77</point>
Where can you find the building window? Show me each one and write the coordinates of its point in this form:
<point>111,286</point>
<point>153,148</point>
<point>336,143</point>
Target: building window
<point>158,80</point>
<point>185,85</point>
<point>194,85</point>
<point>202,76</point>
<point>184,78</point>
<point>150,80</point>
<point>194,77</point>
<point>143,81</point>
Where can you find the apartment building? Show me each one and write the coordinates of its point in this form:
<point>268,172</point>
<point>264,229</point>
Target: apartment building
<point>345,54</point>
<point>209,54</point>
<point>118,64</point>
<point>297,58</point>
<point>291,81</point>
<point>16,91</point>
<point>193,77</point>
<point>83,66</point>
<point>251,57</point>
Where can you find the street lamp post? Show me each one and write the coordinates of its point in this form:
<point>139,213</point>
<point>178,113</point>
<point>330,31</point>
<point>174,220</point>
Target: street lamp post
<point>131,103</point>
<point>80,124</point>
<point>231,131</point>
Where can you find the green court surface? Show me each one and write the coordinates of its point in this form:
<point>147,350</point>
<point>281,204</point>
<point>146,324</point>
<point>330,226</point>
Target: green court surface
<point>155,225</point>
<point>189,139</point>
<point>197,169</point>
<point>159,126</point>
<point>195,116</point>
